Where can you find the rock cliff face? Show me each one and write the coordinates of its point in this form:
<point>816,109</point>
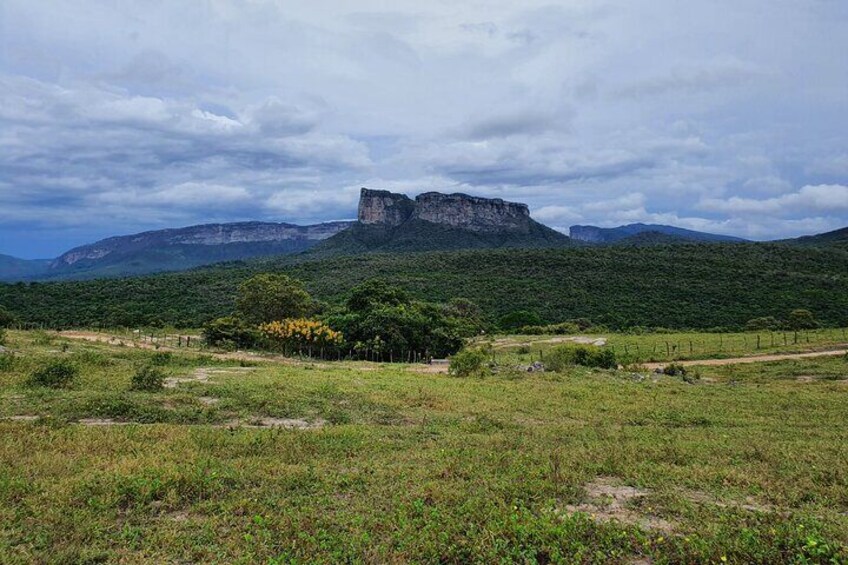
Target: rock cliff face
<point>472,213</point>
<point>380,207</point>
<point>211,235</point>
<point>384,207</point>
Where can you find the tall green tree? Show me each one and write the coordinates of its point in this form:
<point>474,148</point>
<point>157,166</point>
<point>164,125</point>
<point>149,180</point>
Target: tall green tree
<point>270,297</point>
<point>802,320</point>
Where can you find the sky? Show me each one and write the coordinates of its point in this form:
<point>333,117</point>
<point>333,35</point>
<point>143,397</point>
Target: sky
<point>121,116</point>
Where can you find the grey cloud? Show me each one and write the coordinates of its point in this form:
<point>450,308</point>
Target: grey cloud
<point>714,115</point>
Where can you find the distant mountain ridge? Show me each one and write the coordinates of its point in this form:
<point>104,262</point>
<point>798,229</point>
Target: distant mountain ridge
<point>13,269</point>
<point>184,248</point>
<point>667,234</point>
<point>391,222</point>
<point>386,223</point>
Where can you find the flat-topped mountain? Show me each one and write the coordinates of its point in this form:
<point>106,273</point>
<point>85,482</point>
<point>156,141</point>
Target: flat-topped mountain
<point>183,248</point>
<point>645,234</point>
<point>455,210</point>
<point>432,221</point>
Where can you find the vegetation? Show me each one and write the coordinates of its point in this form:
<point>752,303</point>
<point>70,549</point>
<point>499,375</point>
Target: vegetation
<point>385,322</point>
<point>230,332</point>
<point>55,374</point>
<point>412,467</point>
<point>149,378</point>
<point>561,357</point>
<point>299,334</point>
<point>678,286</point>
<point>269,297</point>
<point>468,363</point>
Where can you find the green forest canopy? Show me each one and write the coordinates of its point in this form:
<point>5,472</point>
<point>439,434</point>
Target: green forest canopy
<point>675,286</point>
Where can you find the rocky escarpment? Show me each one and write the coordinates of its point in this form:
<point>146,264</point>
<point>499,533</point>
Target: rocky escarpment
<point>380,207</point>
<point>243,233</point>
<point>391,223</point>
<point>384,208</point>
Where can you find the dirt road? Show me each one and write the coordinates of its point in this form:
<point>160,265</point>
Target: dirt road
<point>751,359</point>
<point>244,356</point>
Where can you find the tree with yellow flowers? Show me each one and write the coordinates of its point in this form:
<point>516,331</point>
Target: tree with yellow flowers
<point>298,334</point>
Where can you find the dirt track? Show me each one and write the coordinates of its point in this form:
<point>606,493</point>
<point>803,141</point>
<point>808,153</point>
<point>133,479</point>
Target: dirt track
<point>751,359</point>
<point>243,356</point>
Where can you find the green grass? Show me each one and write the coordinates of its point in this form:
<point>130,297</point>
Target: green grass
<point>414,467</point>
<point>675,346</point>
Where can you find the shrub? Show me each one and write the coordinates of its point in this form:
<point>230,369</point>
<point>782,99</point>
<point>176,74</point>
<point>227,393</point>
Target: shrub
<point>161,359</point>
<point>675,370</point>
<point>565,328</point>
<point>467,363</point>
<point>7,362</point>
<point>523,350</point>
<point>2,336</point>
<point>565,356</point>
<point>148,378</point>
<point>769,323</point>
<point>56,374</point>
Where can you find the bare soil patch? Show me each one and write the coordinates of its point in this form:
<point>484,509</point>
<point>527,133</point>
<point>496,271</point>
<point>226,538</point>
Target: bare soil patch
<point>608,500</point>
<point>101,422</point>
<point>268,422</point>
<point>203,374</point>
<point>578,339</point>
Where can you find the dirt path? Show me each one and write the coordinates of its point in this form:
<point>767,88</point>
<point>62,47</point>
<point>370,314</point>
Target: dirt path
<point>244,356</point>
<point>234,356</point>
<point>750,359</point>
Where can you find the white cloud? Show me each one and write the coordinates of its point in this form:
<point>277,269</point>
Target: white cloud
<point>708,113</point>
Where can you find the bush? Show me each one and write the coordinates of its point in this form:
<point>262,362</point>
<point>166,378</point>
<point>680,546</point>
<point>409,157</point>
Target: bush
<point>769,323</point>
<point>57,374</point>
<point>467,363</point>
<point>675,370</point>
<point>565,328</point>
<point>2,336</point>
<point>161,359</point>
<point>148,378</point>
<point>563,356</point>
<point>7,362</point>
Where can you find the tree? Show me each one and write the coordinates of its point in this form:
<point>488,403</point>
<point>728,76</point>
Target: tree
<point>230,332</point>
<point>269,297</point>
<point>374,293</point>
<point>769,323</point>
<point>521,318</point>
<point>6,318</point>
<point>802,320</point>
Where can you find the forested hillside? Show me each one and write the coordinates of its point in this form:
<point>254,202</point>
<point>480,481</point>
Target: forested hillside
<point>677,286</point>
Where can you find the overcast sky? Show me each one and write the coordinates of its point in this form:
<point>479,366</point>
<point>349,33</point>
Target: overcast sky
<point>120,116</point>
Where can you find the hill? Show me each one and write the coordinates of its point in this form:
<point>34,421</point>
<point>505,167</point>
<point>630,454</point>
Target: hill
<point>695,286</point>
<point>12,268</point>
<point>389,222</point>
<point>184,248</point>
<point>838,238</point>
<point>603,236</point>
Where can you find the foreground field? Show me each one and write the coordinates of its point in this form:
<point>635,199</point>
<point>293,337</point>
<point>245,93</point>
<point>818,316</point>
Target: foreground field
<point>244,461</point>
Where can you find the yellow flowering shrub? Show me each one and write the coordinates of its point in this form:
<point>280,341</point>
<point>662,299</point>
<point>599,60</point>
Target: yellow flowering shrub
<point>301,332</point>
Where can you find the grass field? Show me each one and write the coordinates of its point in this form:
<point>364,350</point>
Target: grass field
<point>353,462</point>
<point>678,346</point>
